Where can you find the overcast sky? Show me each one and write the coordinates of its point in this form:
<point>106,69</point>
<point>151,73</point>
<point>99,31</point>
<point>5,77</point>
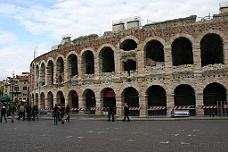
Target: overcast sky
<point>28,25</point>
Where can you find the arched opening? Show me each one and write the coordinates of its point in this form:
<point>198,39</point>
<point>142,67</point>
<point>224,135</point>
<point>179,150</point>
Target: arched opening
<point>37,76</point>
<point>211,50</point>
<point>60,70</point>
<point>156,101</point>
<point>129,65</point>
<point>42,75</point>
<point>131,97</point>
<point>42,100</point>
<point>182,52</point>
<point>109,97</point>
<point>60,98</point>
<point>36,100</point>
<point>50,100</point>
<point>108,63</point>
<point>73,99</point>
<point>212,95</point>
<point>73,65</point>
<point>128,45</point>
<point>50,72</point>
<point>90,100</point>
<point>88,62</point>
<point>154,53</point>
<point>185,96</point>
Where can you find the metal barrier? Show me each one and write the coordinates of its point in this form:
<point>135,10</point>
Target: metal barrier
<point>135,111</point>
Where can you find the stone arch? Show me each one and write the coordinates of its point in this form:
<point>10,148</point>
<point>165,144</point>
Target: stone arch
<point>60,69</point>
<point>131,97</point>
<point>36,102</point>
<point>72,64</point>
<point>50,100</point>
<point>128,45</point>
<point>73,99</point>
<point>42,74</point>
<point>184,95</point>
<point>87,62</point>
<point>37,75</point>
<point>60,98</point>
<point>90,99</point>
<point>212,51</point>
<point>42,100</point>
<point>156,98</point>
<point>182,51</point>
<point>108,96</point>
<point>213,93</point>
<point>154,52</point>
<point>50,72</point>
<point>107,60</point>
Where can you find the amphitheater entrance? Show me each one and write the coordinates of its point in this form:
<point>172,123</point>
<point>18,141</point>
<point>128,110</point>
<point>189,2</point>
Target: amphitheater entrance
<point>42,102</point>
<point>131,97</point>
<point>49,100</point>
<point>90,100</point>
<point>60,98</point>
<point>184,98</point>
<point>156,101</point>
<point>109,98</point>
<point>214,95</point>
<point>73,99</point>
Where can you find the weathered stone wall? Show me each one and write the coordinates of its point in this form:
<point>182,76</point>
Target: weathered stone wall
<point>148,73</point>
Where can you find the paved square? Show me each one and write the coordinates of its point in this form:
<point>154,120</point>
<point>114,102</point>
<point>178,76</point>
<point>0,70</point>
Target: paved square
<point>103,136</point>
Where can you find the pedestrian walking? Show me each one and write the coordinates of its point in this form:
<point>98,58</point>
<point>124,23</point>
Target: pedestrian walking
<point>35,113</point>
<point>62,113</point>
<point>3,114</point>
<point>67,113</point>
<point>22,112</point>
<point>126,112</point>
<point>28,111</point>
<point>111,112</point>
<point>12,109</point>
<point>56,112</point>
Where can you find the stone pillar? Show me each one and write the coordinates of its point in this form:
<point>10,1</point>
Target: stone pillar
<point>99,104</point>
<point>140,65</point>
<point>197,60</point>
<point>118,65</point>
<point>168,61</point>
<point>170,104</point>
<point>225,47</point>
<point>82,103</point>
<point>199,102</point>
<point>144,104</point>
<point>79,67</point>
<point>119,105</point>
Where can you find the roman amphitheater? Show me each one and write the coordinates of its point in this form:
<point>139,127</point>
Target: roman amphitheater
<point>157,67</point>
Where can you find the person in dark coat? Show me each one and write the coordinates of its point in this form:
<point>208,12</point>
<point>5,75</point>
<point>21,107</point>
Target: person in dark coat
<point>67,113</point>
<point>35,113</point>
<point>111,112</point>
<point>3,113</point>
<point>56,112</point>
<point>126,112</point>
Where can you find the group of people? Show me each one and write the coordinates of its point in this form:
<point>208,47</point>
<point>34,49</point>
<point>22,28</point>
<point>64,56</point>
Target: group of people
<point>61,113</point>
<point>111,112</point>
<point>24,111</point>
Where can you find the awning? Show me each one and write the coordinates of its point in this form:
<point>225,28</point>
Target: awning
<point>4,99</point>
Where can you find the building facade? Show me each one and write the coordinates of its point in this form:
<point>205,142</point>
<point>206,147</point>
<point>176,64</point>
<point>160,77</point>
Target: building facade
<point>16,88</point>
<point>180,63</point>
